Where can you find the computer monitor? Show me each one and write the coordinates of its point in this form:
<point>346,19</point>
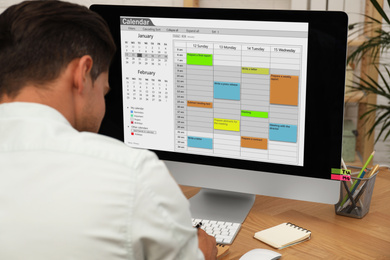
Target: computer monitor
<point>238,102</point>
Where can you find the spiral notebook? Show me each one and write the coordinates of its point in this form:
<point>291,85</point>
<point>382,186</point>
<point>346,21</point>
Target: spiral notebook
<point>283,235</point>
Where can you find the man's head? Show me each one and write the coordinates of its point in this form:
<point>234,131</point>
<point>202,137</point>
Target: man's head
<point>40,39</point>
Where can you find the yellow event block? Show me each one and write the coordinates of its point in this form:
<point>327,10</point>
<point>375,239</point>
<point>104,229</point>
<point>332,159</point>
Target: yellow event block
<point>250,70</point>
<point>226,124</point>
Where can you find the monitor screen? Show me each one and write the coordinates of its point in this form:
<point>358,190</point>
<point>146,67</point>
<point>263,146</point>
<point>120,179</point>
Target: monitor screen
<point>247,101</point>
<point>235,90</point>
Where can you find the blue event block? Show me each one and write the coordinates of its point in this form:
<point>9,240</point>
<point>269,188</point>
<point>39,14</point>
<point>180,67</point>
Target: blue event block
<point>283,133</point>
<point>200,142</point>
<point>226,90</point>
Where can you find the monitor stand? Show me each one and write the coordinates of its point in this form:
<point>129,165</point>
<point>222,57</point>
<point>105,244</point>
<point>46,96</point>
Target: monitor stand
<point>221,205</point>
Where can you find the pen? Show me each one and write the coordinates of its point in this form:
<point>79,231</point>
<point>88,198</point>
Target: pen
<point>198,225</point>
<point>356,182</point>
<point>345,167</point>
<point>352,206</point>
<point>343,164</point>
<point>373,171</point>
<point>342,206</point>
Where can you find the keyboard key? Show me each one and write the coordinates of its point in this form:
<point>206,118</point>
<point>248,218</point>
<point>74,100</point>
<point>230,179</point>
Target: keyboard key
<point>224,232</point>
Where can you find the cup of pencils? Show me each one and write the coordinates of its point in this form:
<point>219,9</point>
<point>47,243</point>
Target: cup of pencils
<point>355,195</point>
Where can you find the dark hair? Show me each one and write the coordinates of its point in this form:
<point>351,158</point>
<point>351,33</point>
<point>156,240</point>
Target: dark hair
<point>38,39</point>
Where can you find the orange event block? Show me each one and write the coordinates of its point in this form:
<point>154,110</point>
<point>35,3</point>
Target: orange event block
<point>254,142</point>
<point>284,90</point>
<point>199,104</point>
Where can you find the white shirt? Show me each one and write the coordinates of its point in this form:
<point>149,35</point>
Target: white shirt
<point>66,195</point>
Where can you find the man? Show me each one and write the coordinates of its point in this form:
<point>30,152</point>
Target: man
<point>65,191</point>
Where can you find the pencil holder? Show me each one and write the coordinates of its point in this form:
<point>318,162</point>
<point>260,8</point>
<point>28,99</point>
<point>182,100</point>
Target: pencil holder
<point>355,196</point>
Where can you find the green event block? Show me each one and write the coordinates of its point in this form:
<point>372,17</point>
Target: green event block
<point>250,70</point>
<point>199,59</point>
<point>340,171</point>
<point>249,113</point>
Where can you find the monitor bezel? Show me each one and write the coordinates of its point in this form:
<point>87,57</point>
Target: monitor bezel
<point>325,94</point>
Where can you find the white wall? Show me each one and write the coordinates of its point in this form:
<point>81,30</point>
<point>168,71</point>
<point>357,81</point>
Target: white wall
<point>264,4</point>
<point>252,4</point>
<point>348,5</point>
<point>5,3</point>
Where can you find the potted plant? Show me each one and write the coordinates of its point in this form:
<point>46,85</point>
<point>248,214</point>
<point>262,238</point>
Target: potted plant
<point>374,46</point>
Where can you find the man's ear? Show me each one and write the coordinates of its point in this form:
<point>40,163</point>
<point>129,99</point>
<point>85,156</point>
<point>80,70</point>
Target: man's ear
<point>82,74</point>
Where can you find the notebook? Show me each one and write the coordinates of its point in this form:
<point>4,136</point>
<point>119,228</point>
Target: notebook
<point>283,235</point>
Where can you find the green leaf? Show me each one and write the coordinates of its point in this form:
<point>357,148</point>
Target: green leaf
<point>372,18</point>
<point>380,10</point>
<point>376,85</point>
<point>381,118</point>
<point>367,113</point>
<point>383,128</point>
<point>385,81</point>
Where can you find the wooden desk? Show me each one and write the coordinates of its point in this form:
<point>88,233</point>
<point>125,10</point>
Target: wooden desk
<point>333,236</point>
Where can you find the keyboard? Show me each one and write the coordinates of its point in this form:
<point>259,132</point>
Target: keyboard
<point>224,232</point>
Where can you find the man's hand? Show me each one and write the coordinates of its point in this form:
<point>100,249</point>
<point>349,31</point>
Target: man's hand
<point>207,244</point>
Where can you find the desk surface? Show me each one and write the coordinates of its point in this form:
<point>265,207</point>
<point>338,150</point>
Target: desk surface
<point>333,236</point>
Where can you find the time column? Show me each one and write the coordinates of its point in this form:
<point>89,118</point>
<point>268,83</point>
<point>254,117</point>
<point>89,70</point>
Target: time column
<point>180,68</point>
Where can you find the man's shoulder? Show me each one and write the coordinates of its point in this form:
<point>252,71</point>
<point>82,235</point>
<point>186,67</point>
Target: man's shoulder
<point>110,149</point>
<point>39,128</point>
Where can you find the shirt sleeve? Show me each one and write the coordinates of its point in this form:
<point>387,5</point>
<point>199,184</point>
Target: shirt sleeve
<point>161,221</point>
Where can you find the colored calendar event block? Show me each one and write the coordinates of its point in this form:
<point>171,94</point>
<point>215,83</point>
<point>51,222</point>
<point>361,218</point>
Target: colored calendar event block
<point>227,90</point>
<point>250,70</point>
<point>284,90</point>
<point>226,124</point>
<point>254,142</point>
<point>199,59</point>
<point>283,133</point>
<point>258,114</point>
<point>199,142</point>
<point>191,103</point>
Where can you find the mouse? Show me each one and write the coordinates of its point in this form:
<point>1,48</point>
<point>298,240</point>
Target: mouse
<point>260,254</point>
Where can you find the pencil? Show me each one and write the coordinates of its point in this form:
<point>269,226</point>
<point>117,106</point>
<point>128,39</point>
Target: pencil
<point>373,171</point>
<point>356,182</point>
<point>366,164</point>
